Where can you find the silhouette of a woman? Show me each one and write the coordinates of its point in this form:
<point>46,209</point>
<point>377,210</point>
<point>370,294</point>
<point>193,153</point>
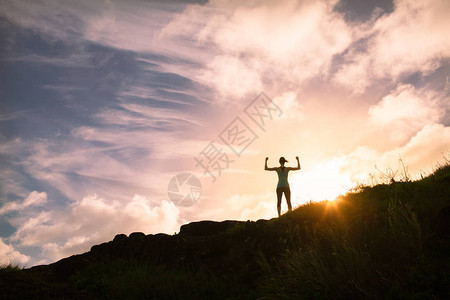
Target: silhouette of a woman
<point>283,184</point>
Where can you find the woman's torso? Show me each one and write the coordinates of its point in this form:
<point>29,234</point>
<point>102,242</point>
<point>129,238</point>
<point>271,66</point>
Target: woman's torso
<point>282,177</point>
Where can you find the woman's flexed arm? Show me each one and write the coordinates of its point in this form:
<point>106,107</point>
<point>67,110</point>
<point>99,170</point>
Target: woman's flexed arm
<point>298,164</point>
<point>266,168</point>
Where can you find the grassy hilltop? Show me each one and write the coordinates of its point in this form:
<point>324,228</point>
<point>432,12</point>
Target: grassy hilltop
<point>387,241</point>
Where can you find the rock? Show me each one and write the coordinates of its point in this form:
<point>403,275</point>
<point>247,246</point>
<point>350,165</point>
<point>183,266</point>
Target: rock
<point>204,228</point>
<point>137,235</point>
<point>99,248</point>
<point>120,238</point>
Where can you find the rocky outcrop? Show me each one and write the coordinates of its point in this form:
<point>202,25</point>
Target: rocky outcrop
<point>226,245</point>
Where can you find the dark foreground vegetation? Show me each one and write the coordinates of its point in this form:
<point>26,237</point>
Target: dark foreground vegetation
<point>390,241</point>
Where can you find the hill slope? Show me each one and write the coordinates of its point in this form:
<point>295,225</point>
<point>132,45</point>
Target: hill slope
<point>387,241</point>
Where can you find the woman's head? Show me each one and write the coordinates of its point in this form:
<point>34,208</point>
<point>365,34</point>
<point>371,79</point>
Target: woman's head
<point>282,160</point>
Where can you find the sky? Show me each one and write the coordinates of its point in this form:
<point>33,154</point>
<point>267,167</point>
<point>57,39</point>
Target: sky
<point>103,104</point>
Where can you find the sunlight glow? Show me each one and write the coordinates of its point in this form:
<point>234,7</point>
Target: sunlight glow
<point>325,181</point>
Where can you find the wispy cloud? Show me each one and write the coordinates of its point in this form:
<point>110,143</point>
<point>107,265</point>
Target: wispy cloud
<point>33,199</point>
<point>11,116</point>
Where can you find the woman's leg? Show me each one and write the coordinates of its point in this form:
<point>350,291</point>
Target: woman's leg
<point>279,195</point>
<point>287,194</point>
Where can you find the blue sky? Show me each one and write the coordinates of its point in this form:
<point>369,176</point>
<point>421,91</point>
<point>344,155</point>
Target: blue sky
<point>103,102</point>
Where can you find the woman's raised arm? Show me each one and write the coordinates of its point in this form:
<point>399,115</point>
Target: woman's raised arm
<point>298,165</point>
<point>266,168</point>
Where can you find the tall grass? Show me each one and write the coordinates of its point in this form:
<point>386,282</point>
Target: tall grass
<point>10,267</point>
<point>378,243</point>
<point>358,263</point>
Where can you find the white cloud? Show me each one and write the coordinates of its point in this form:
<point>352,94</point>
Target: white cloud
<point>9,255</point>
<point>234,206</point>
<point>413,38</point>
<point>336,175</point>
<point>283,41</point>
<point>253,206</point>
<point>423,151</point>
<point>231,77</point>
<point>93,220</point>
<point>427,147</point>
<point>308,33</point>
<point>406,111</point>
<point>355,74</point>
<point>33,199</point>
<point>262,210</point>
<point>290,106</point>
